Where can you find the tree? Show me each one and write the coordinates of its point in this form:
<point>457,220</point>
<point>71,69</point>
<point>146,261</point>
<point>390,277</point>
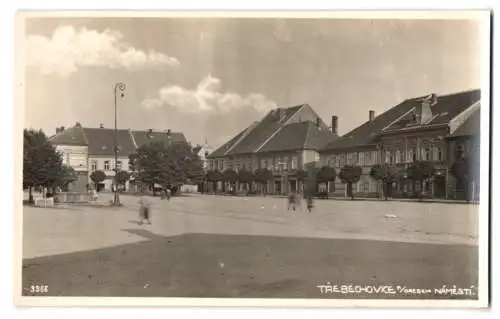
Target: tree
<point>466,170</point>
<point>42,164</point>
<point>262,176</point>
<point>421,171</point>
<point>326,174</point>
<point>168,165</point>
<point>67,176</point>
<point>231,177</point>
<point>121,178</point>
<point>349,175</point>
<point>214,176</point>
<point>246,177</point>
<point>386,174</point>
<point>97,177</point>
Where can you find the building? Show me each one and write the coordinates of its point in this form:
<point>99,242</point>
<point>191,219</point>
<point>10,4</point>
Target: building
<point>416,129</point>
<point>284,141</point>
<point>465,142</point>
<point>90,149</point>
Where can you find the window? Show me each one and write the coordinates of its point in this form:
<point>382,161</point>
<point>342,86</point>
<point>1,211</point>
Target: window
<point>294,163</point>
<point>460,150</point>
<point>264,164</point>
<point>439,153</point>
<point>93,166</point>
<point>362,159</point>
<point>250,167</point>
<point>366,187</point>
<point>221,165</point>
<point>398,157</point>
<point>387,157</point>
<point>119,165</point>
<point>285,163</point>
<point>106,165</point>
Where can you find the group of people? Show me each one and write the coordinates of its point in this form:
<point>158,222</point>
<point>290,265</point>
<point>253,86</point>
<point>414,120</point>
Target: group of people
<point>294,199</point>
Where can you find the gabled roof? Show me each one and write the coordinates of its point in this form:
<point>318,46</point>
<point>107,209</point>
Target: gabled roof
<point>298,136</point>
<point>263,130</point>
<point>447,107</point>
<point>471,127</point>
<point>221,150</point>
<point>145,137</point>
<point>367,133</point>
<point>397,117</point>
<point>101,141</point>
<point>71,136</point>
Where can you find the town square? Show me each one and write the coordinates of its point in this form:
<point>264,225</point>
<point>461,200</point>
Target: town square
<point>253,158</point>
<point>211,246</point>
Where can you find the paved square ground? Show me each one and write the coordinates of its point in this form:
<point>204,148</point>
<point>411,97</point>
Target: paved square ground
<point>216,246</point>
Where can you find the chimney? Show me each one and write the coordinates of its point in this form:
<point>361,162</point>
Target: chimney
<point>169,132</point>
<point>62,128</point>
<point>334,124</point>
<point>101,125</point>
<point>58,130</point>
<point>371,115</point>
<point>317,121</point>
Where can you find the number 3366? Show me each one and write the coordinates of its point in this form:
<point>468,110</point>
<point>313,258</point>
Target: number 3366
<point>39,288</point>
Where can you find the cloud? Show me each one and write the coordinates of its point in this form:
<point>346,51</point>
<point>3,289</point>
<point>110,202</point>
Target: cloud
<point>207,98</point>
<point>68,49</point>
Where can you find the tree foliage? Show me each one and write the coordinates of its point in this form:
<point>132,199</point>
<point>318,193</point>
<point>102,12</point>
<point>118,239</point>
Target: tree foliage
<point>68,175</point>
<point>230,176</point>
<point>386,174</point>
<point>326,174</point>
<point>98,176</point>
<point>42,164</point>
<point>300,175</point>
<point>262,176</point>
<point>421,171</point>
<point>214,176</point>
<point>122,177</point>
<point>245,176</point>
<point>168,165</point>
<point>349,175</point>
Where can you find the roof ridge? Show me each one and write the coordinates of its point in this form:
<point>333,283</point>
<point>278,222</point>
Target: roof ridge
<point>132,138</point>
<point>280,128</point>
<point>249,129</point>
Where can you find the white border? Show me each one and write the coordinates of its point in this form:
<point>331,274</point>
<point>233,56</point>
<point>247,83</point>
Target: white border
<point>294,302</point>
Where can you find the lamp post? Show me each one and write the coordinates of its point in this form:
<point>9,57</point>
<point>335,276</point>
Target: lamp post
<point>119,88</point>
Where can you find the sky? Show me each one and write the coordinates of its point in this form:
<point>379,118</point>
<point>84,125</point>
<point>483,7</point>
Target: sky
<point>211,77</point>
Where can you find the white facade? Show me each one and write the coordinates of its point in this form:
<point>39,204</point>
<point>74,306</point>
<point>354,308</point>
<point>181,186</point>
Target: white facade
<point>74,156</point>
<point>107,165</point>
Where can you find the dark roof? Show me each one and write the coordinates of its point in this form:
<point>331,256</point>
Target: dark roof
<point>145,137</point>
<point>298,136</point>
<point>101,141</point>
<point>70,136</point>
<point>448,107</point>
<point>263,130</point>
<point>472,126</point>
<point>366,133</point>
<point>221,150</point>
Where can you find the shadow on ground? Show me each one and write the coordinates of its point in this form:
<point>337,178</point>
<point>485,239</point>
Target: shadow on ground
<point>208,265</point>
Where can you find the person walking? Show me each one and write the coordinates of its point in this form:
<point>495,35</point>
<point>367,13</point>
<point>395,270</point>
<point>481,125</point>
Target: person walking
<point>144,210</point>
<point>169,194</point>
<point>292,201</point>
<point>310,204</point>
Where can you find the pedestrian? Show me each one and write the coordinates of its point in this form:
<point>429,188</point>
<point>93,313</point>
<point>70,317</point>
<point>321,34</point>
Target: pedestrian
<point>292,201</point>
<point>169,194</point>
<point>309,203</point>
<point>144,210</point>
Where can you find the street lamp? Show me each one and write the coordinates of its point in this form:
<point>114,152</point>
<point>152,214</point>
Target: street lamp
<point>119,88</point>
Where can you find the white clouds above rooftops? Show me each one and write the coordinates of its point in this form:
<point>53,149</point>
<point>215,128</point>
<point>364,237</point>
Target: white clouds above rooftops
<point>69,49</point>
<point>207,96</point>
